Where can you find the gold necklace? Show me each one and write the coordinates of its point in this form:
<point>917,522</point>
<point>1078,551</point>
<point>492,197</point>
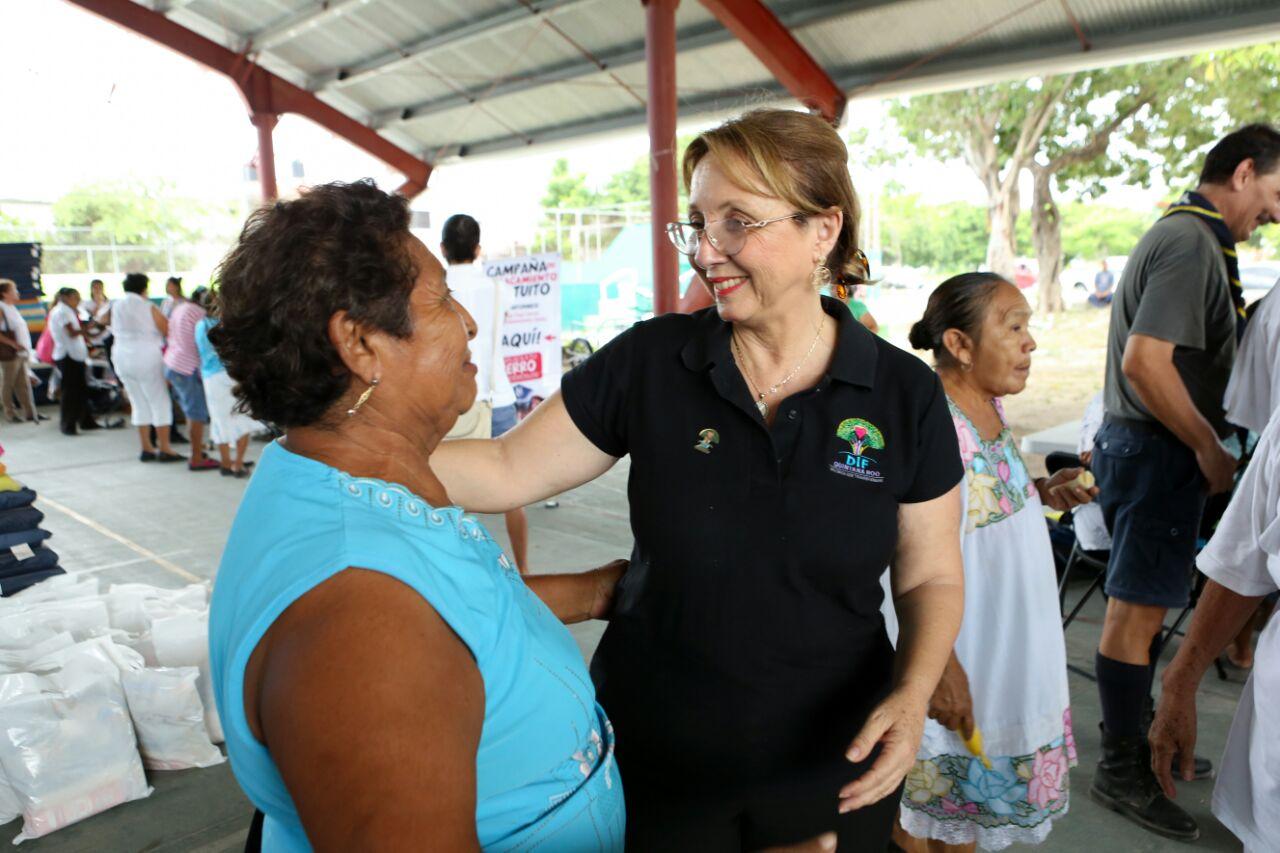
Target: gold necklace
<point>754,387</point>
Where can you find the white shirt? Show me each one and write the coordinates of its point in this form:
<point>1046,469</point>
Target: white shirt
<point>92,310</point>
<point>1244,556</point>
<point>134,324</point>
<point>476,291</point>
<point>66,345</point>
<point>1253,391</point>
<point>17,325</point>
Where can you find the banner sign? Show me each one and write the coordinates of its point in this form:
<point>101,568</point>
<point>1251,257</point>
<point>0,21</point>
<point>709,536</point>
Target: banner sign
<point>531,333</point>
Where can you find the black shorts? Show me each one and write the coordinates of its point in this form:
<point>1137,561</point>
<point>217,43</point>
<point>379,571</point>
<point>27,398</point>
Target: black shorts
<point>1152,495</point>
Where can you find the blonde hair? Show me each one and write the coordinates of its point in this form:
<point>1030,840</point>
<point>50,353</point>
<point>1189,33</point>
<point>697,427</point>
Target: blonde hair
<point>798,158</point>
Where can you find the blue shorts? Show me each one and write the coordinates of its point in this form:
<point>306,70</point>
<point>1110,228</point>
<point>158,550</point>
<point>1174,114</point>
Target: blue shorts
<point>190,392</point>
<point>1152,496</point>
<point>504,420</point>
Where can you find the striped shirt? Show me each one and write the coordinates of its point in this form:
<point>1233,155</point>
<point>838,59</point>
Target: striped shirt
<point>181,356</point>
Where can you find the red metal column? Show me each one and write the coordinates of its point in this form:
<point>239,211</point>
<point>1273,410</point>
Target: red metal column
<point>265,123</point>
<point>664,199</point>
<point>263,91</point>
<point>776,46</point>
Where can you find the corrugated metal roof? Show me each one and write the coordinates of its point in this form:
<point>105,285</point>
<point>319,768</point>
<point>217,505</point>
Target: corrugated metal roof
<point>446,78</point>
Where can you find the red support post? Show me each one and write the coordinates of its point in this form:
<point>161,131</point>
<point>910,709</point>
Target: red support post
<point>265,123</point>
<point>664,199</point>
<point>777,48</point>
<point>263,91</point>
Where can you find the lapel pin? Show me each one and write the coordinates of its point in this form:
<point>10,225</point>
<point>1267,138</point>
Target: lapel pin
<point>707,439</point>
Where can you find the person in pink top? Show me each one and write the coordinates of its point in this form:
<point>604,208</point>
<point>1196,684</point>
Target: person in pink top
<point>182,369</point>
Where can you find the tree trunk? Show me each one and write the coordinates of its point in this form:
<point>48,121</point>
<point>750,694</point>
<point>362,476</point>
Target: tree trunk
<point>1046,235</point>
<point>1002,216</point>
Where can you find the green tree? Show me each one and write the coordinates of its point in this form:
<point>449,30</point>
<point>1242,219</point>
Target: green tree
<point>946,238</point>
<point>1091,230</point>
<point>568,189</point>
<point>133,212</point>
<point>628,186</point>
<point>996,130</point>
<point>1080,130</point>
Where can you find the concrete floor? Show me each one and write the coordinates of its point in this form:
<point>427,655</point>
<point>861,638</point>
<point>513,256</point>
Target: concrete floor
<point>124,521</point>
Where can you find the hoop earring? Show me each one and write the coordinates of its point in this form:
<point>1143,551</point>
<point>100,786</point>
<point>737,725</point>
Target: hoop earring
<point>821,277</point>
<point>368,392</point>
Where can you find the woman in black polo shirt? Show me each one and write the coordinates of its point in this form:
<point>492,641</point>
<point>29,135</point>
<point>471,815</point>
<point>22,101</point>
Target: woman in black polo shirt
<point>781,456</point>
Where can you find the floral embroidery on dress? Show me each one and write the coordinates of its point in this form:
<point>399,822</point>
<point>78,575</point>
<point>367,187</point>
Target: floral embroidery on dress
<point>995,475</point>
<point>1019,792</point>
<point>1023,791</point>
<point>1069,737</point>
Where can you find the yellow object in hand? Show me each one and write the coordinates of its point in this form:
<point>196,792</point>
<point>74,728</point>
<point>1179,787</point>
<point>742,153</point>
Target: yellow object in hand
<point>1085,480</point>
<point>973,743</point>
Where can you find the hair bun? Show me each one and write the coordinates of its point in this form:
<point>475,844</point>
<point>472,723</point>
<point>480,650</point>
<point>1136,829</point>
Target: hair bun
<point>921,337</point>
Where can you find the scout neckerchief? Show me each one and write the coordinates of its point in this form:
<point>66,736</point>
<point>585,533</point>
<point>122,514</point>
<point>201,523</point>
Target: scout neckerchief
<point>1197,205</point>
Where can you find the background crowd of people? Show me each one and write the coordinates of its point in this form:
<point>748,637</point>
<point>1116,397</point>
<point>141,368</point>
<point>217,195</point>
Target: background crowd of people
<point>108,354</point>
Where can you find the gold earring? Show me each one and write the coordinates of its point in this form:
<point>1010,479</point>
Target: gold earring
<point>368,392</point>
<point>821,277</point>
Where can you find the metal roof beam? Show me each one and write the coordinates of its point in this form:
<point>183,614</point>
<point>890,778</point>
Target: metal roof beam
<point>293,25</point>
<point>951,72</point>
<point>264,91</point>
<point>703,35</point>
<point>774,44</point>
<point>1063,55</point>
<point>706,34</point>
<point>634,117</point>
<point>491,25</point>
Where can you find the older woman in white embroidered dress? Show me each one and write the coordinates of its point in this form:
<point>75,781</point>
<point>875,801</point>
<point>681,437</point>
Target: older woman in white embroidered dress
<point>992,769</point>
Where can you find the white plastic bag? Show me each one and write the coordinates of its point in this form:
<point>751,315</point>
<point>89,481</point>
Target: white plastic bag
<point>164,704</point>
<point>20,660</point>
<point>58,588</point>
<point>19,629</point>
<point>183,640</point>
<point>67,745</point>
<point>83,618</point>
<point>140,643</point>
<point>126,602</point>
<point>169,718</point>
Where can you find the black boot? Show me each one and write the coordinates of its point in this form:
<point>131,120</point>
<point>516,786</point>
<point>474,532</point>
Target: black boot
<point>1124,783</point>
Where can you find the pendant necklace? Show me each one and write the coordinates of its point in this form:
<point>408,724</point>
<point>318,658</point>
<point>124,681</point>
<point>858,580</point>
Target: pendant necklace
<point>754,386</point>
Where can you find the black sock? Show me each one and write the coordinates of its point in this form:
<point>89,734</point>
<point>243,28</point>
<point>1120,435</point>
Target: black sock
<point>1123,688</point>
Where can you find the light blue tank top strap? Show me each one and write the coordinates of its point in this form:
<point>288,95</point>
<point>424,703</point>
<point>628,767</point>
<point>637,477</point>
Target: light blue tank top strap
<point>544,766</point>
<point>209,361</point>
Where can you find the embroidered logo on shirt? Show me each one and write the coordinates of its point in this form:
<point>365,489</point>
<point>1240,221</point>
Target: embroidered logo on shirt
<point>857,461</point>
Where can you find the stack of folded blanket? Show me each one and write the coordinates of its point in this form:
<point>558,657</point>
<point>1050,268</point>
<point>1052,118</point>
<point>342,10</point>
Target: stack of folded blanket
<point>24,558</point>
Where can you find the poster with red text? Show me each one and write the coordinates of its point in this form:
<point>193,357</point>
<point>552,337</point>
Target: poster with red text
<point>531,333</point>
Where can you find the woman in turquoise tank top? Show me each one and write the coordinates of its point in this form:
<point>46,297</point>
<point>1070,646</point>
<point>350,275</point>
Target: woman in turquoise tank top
<point>385,678</point>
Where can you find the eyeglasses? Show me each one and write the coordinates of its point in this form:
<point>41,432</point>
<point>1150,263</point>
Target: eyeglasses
<point>726,236</point>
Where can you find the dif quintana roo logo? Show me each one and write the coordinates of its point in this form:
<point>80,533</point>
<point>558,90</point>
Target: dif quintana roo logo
<point>858,461</point>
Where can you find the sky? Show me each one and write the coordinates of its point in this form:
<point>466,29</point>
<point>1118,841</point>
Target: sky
<point>87,100</point>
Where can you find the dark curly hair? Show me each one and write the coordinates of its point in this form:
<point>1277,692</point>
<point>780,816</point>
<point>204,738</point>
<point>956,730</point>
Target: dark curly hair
<point>339,247</point>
